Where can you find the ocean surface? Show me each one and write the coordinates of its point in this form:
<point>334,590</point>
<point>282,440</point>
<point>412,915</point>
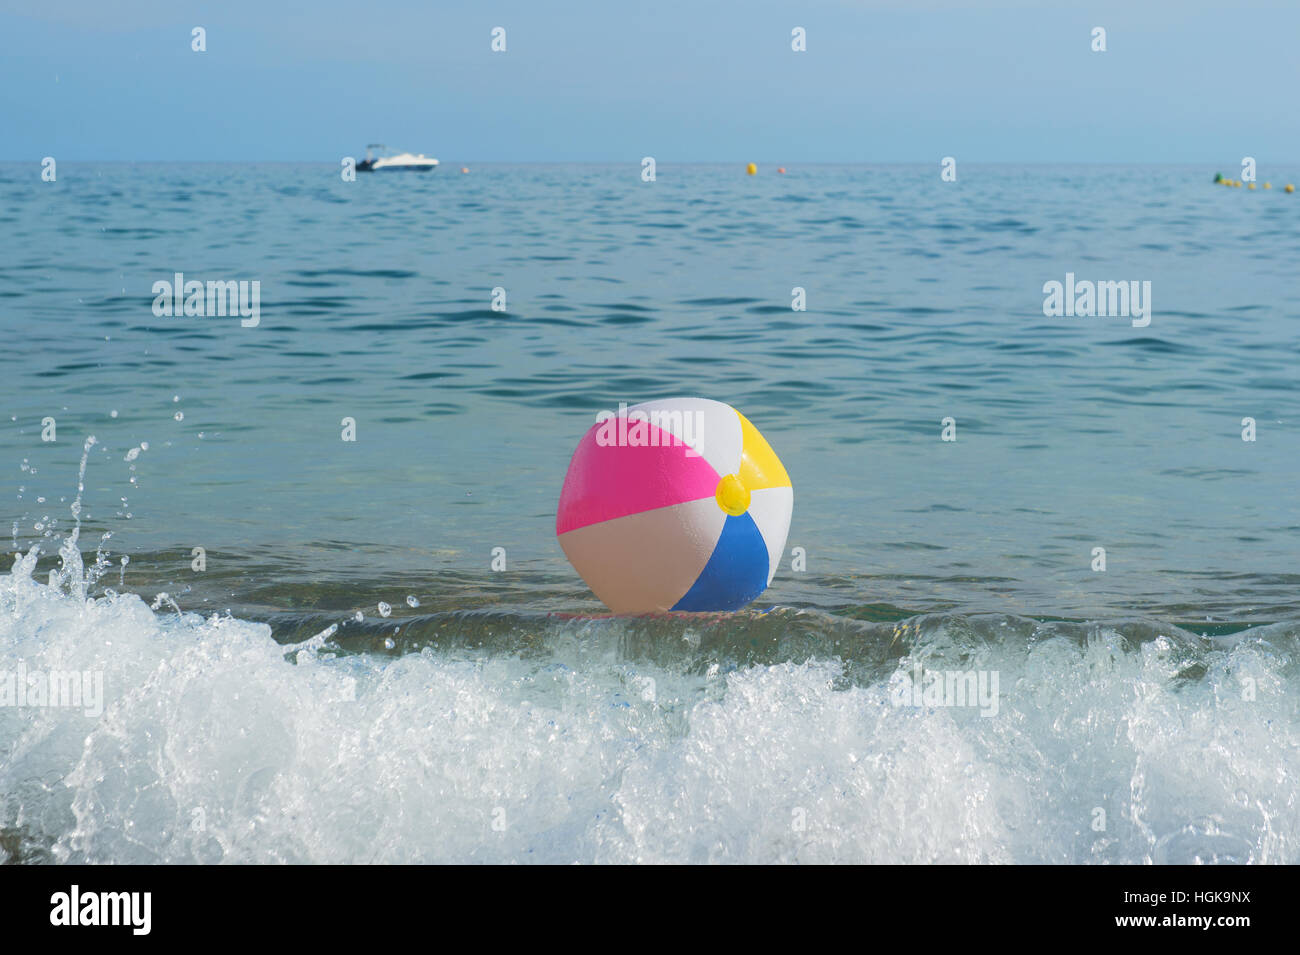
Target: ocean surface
<point>348,679</point>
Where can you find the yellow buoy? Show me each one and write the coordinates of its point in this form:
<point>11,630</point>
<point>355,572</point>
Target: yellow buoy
<point>1290,188</point>
<point>1268,185</point>
<point>751,169</point>
<point>1250,185</point>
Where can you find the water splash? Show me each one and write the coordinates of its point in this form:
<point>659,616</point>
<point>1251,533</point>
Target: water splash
<point>71,573</point>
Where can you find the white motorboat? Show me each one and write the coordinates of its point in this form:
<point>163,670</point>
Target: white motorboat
<point>394,162</point>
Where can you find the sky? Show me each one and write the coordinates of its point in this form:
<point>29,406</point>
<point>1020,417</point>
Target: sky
<point>681,80</point>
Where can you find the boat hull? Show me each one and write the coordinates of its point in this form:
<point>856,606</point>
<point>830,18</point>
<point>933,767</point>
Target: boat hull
<point>378,165</point>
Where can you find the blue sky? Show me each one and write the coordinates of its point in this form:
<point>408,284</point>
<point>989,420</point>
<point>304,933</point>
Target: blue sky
<point>615,80</point>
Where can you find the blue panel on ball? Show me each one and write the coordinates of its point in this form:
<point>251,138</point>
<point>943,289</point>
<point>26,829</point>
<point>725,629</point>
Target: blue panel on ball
<point>736,572</point>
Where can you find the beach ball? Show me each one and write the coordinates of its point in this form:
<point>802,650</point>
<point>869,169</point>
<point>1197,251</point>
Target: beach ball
<point>675,504</point>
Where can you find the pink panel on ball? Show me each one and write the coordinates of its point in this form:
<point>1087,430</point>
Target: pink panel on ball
<point>610,481</point>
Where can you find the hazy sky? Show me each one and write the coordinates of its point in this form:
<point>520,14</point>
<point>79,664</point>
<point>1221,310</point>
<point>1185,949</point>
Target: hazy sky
<point>680,80</point>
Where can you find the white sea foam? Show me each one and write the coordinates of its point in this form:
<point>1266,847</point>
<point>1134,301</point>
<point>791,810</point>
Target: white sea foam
<point>217,744</point>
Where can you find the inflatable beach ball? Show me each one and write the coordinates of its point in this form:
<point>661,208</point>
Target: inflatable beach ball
<point>677,504</point>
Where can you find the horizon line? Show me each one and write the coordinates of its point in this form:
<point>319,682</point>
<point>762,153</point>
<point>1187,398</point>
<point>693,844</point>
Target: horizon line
<point>672,162</point>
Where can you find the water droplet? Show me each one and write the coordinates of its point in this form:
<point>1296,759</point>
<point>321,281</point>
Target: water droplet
<point>384,609</point>
<point>412,602</point>
<point>389,643</point>
<point>179,416</point>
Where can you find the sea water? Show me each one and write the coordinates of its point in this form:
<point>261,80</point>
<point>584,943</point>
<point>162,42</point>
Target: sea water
<point>305,654</point>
